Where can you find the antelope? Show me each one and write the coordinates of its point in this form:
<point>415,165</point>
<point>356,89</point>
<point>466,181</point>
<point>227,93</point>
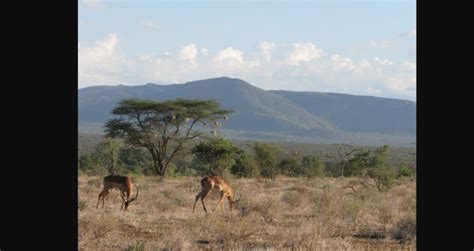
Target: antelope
<point>123,183</point>
<point>211,182</point>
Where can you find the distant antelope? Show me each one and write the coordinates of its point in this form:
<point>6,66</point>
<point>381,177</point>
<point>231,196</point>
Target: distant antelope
<point>123,183</point>
<point>208,183</point>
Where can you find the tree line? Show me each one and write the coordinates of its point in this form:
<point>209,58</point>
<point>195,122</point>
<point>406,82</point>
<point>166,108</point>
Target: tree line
<point>153,138</point>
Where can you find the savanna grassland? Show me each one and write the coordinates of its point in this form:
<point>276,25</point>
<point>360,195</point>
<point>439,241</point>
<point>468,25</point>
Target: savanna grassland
<point>285,214</point>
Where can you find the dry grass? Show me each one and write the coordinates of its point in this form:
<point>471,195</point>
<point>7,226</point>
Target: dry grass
<point>289,213</point>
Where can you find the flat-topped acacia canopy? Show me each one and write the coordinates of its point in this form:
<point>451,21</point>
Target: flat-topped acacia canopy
<point>162,127</point>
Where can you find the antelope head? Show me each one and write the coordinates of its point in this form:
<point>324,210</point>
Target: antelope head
<point>235,203</point>
<point>127,201</point>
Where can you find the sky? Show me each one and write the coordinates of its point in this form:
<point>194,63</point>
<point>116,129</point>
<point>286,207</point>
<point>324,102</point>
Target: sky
<point>357,47</point>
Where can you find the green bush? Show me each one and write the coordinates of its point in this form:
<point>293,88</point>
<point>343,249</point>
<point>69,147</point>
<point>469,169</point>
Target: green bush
<point>130,172</point>
<point>311,167</point>
<point>245,166</point>
<point>86,163</point>
<point>289,166</point>
<point>214,157</point>
<point>175,171</point>
<point>406,172</point>
<point>267,156</point>
<point>382,176</point>
<point>373,166</point>
<point>187,171</point>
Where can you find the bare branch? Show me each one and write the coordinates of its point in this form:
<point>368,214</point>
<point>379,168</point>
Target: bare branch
<point>351,187</point>
<point>353,150</point>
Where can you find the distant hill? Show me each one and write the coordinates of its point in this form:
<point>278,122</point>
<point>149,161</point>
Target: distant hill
<point>359,113</point>
<point>310,117</point>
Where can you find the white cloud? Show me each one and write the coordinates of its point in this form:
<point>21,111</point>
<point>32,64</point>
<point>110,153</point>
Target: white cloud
<point>103,49</point>
<point>149,25</point>
<point>412,32</point>
<point>101,63</point>
<point>374,91</point>
<point>312,70</point>
<point>304,52</point>
<point>108,45</point>
<point>410,65</point>
<point>148,58</point>
<point>383,61</point>
<point>403,86</point>
<point>189,53</point>
<point>229,55</point>
<point>342,63</point>
<point>380,44</point>
<point>364,63</point>
<point>94,4</point>
<point>204,51</point>
<point>266,50</point>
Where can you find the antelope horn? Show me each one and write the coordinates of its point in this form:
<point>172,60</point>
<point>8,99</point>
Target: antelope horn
<point>136,196</point>
<point>122,195</point>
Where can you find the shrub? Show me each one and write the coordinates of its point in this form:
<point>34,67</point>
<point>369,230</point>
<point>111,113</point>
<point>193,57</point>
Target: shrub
<point>311,167</point>
<point>82,204</point>
<point>405,229</point>
<point>406,172</point>
<point>267,156</point>
<point>245,166</point>
<point>86,163</point>
<point>290,166</point>
<point>373,168</point>
<point>138,246</point>
<point>215,156</point>
<point>266,209</point>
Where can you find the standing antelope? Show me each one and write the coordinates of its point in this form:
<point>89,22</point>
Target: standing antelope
<point>208,183</point>
<point>123,183</point>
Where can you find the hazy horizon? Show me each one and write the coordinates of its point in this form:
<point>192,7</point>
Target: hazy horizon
<point>164,84</point>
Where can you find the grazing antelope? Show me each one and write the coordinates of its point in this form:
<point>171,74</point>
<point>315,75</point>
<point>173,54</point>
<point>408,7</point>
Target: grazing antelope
<point>123,183</point>
<point>208,183</point>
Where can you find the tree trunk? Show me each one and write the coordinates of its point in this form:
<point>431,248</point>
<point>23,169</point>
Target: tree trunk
<point>343,166</point>
<point>156,166</point>
<point>161,167</point>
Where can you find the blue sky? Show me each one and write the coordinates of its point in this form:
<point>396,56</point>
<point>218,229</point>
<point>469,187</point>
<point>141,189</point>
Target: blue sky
<point>357,47</point>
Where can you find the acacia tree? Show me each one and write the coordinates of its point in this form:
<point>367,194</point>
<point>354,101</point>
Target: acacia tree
<point>162,127</point>
<point>373,166</point>
<point>343,158</point>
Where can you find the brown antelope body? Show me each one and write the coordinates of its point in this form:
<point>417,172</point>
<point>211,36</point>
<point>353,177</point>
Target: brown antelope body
<point>123,184</point>
<point>211,182</point>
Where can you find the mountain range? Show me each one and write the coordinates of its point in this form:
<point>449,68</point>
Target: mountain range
<point>271,115</point>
